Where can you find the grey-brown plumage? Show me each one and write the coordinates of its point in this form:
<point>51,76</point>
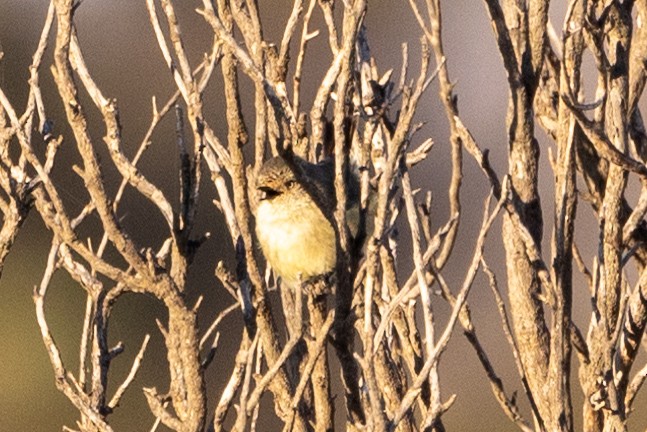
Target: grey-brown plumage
<point>297,239</point>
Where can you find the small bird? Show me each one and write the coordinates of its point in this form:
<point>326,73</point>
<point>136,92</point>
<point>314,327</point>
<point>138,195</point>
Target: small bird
<point>297,240</point>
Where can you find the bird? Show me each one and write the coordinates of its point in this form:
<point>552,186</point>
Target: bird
<point>293,217</point>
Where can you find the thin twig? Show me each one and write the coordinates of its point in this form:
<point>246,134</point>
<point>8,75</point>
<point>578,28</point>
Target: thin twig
<point>131,375</point>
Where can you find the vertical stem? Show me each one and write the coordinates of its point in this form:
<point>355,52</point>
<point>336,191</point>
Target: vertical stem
<point>343,328</point>
<point>187,384</point>
<point>609,291</point>
<point>322,398</point>
<point>529,323</point>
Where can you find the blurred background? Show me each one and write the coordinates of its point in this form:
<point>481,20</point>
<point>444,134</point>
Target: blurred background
<point>123,56</point>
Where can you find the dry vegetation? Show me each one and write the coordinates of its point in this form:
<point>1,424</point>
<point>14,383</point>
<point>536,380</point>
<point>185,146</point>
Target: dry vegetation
<point>380,333</point>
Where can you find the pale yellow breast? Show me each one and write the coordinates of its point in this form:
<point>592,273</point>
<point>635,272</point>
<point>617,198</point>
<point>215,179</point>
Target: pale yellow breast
<point>295,240</point>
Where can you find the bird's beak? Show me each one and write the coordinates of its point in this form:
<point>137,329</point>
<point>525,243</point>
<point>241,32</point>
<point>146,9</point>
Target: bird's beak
<point>265,192</point>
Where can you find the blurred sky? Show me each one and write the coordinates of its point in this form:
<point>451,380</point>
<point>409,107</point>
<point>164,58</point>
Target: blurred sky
<point>122,55</point>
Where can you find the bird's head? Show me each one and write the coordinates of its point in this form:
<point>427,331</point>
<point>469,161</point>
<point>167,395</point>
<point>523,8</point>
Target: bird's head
<point>274,180</point>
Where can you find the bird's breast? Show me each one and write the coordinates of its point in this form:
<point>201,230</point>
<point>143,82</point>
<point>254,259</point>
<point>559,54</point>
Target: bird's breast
<point>296,240</point>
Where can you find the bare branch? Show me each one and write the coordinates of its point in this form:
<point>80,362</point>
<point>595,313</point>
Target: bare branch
<point>131,375</point>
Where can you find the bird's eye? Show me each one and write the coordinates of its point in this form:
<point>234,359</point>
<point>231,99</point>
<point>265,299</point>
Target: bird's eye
<point>290,183</point>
